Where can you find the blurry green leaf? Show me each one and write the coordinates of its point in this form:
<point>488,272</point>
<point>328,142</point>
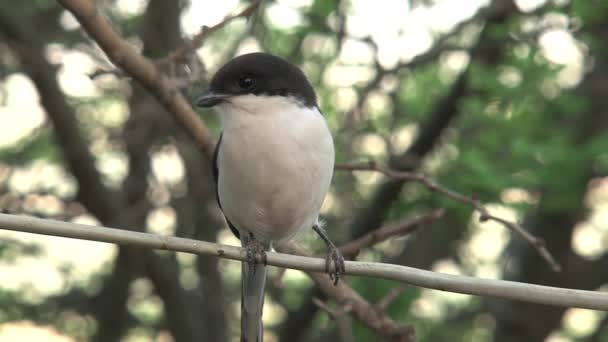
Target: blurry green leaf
<point>11,249</point>
<point>324,7</point>
<point>39,145</point>
<point>571,104</point>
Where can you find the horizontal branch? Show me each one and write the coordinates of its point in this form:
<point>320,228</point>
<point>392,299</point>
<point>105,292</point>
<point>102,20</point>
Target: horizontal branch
<point>408,275</point>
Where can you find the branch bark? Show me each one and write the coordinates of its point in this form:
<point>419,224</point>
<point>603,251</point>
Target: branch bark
<point>142,70</point>
<point>407,226</point>
<point>92,193</point>
<point>427,279</point>
<point>113,208</point>
<point>485,215</point>
<point>183,51</point>
<point>377,320</point>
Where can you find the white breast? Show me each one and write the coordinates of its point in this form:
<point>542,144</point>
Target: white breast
<point>275,165</point>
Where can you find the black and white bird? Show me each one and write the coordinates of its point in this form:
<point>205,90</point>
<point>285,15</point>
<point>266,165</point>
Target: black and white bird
<point>273,165</point>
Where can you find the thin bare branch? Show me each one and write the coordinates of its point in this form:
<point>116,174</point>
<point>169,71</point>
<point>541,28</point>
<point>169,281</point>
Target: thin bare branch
<point>142,70</point>
<point>407,226</point>
<point>103,72</point>
<point>344,323</point>
<point>485,215</point>
<point>390,297</point>
<point>196,41</point>
<point>333,313</point>
<point>277,280</point>
<point>349,299</point>
<point>408,275</point>
<point>440,46</point>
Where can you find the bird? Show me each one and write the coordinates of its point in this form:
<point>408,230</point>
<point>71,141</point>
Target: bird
<point>272,166</point>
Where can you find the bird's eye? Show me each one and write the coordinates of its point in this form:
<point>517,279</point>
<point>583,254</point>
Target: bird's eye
<point>246,82</point>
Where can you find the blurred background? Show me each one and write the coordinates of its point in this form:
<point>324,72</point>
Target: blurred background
<point>504,100</point>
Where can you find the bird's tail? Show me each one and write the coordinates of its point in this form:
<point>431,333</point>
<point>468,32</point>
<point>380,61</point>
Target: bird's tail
<point>253,283</point>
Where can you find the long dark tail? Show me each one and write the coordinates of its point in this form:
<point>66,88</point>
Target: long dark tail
<point>253,283</point>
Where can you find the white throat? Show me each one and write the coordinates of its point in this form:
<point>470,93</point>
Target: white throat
<point>239,110</point>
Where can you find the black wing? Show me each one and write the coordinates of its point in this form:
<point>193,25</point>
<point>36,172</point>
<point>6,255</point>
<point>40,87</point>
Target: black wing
<point>216,177</point>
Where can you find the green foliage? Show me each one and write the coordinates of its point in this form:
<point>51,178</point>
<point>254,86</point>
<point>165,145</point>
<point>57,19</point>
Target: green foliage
<point>590,12</point>
<point>12,249</point>
<point>37,146</point>
<point>323,8</point>
<point>292,297</point>
<point>418,94</point>
<point>9,310</point>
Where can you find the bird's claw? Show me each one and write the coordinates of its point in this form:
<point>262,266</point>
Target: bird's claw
<point>256,254</point>
<point>334,256</point>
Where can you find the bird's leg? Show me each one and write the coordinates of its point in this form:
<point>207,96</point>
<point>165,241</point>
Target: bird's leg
<point>256,251</point>
<point>333,255</point>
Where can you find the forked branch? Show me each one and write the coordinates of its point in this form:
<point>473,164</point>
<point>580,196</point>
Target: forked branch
<point>485,215</point>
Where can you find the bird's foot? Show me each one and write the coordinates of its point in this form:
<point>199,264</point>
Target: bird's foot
<point>256,253</point>
<point>334,256</point>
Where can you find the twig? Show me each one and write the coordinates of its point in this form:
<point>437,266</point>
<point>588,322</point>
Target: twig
<point>390,297</point>
<point>407,226</point>
<point>536,242</point>
<point>142,70</point>
<point>102,72</point>
<point>333,313</point>
<point>350,300</point>
<point>408,275</point>
<point>344,323</point>
<point>181,52</point>
<point>440,46</point>
<point>278,278</point>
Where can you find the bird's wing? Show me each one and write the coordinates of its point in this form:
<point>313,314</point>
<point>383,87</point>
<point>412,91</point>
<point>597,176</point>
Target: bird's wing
<point>216,170</point>
<point>216,176</point>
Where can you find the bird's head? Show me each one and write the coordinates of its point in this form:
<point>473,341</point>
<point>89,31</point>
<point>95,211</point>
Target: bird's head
<point>253,76</point>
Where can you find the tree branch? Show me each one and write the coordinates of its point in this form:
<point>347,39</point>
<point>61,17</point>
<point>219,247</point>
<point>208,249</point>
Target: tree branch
<point>366,312</point>
<point>445,282</point>
<point>390,297</point>
<point>333,313</point>
<point>485,50</point>
<point>485,215</point>
<point>141,69</point>
<point>196,41</point>
<point>98,199</point>
<point>352,248</point>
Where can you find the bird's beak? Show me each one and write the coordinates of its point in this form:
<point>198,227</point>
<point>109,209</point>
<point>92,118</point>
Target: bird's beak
<point>210,99</point>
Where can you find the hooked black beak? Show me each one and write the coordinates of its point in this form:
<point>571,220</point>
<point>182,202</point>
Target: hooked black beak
<point>210,99</point>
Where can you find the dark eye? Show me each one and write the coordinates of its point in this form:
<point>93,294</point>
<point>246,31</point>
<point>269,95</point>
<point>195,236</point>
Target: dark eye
<point>246,82</point>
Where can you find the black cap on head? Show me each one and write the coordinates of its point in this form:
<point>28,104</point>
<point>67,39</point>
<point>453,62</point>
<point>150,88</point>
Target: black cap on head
<point>258,74</point>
